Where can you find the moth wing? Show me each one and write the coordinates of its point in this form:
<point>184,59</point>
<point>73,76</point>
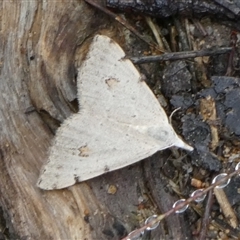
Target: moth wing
<point>86,147</point>
<point>111,86</point>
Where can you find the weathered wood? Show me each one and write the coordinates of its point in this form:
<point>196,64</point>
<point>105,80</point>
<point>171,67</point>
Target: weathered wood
<point>38,43</point>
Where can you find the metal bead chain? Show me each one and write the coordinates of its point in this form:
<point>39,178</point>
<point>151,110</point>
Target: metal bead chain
<point>134,235</point>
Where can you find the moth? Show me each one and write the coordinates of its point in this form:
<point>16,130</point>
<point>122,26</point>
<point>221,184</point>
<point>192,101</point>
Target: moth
<point>120,121</point>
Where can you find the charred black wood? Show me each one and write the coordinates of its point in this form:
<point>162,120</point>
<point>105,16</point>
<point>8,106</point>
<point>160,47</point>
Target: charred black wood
<point>190,8</point>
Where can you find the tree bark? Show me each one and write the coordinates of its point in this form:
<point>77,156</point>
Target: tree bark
<point>38,43</point>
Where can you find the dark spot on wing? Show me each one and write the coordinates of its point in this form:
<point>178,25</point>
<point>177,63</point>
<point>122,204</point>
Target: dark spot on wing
<point>59,167</point>
<point>106,169</point>
<point>54,186</point>
<point>111,82</point>
<point>56,176</point>
<point>84,151</point>
<point>77,178</point>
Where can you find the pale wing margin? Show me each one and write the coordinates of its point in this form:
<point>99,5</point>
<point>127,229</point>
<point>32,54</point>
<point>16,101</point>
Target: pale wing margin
<point>112,87</point>
<point>86,147</point>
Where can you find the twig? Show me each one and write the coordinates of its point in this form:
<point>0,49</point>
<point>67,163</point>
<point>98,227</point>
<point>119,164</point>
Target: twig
<point>206,217</point>
<point>233,42</point>
<point>173,37</point>
<point>180,55</point>
<point>155,32</point>
<point>120,20</point>
<point>182,35</point>
<point>226,207</point>
<point>188,34</point>
<point>209,114</point>
<point>199,26</point>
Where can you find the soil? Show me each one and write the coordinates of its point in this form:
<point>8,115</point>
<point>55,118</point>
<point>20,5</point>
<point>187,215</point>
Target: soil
<point>207,91</point>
